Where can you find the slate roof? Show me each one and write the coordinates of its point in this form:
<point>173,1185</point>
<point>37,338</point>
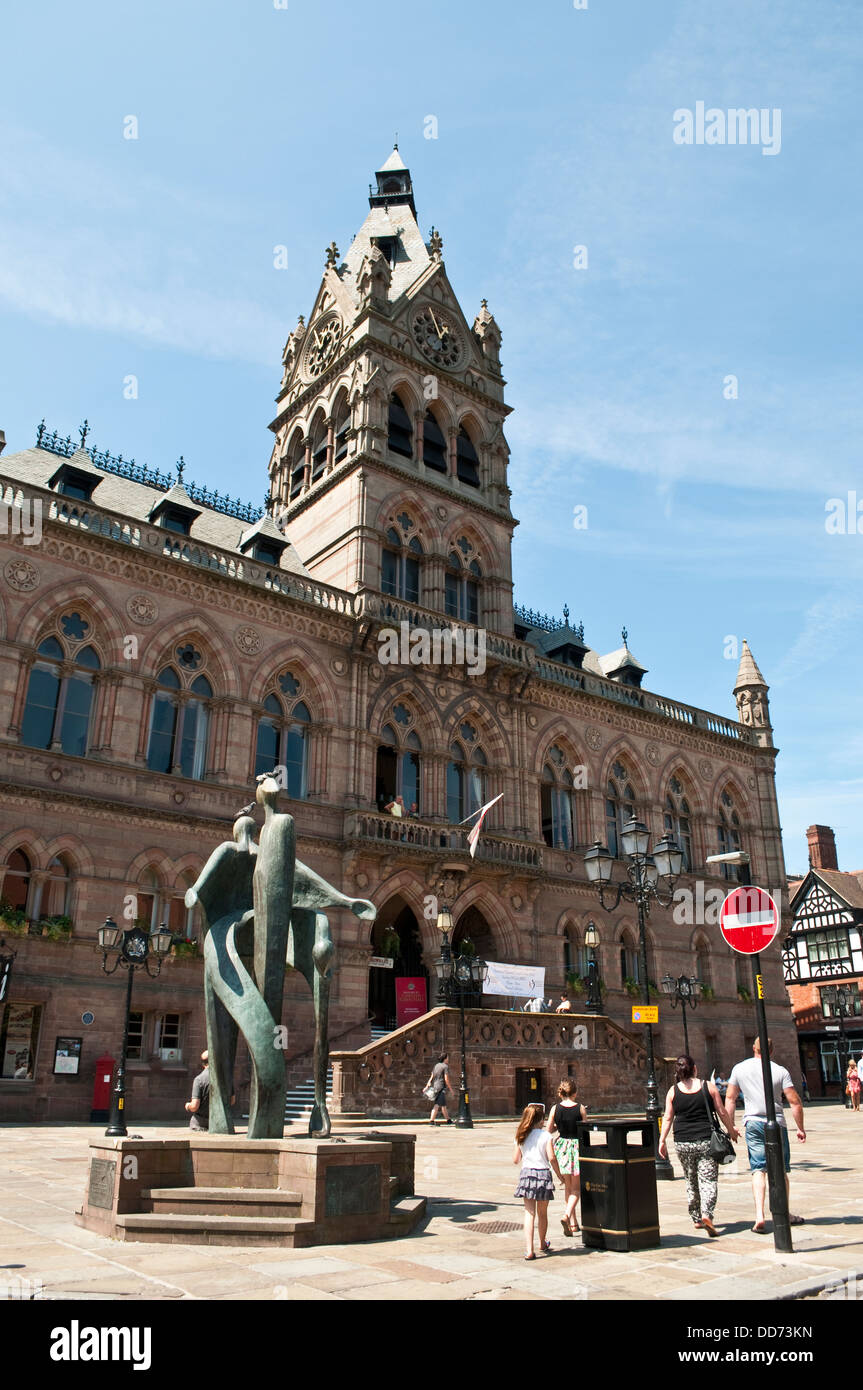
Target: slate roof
<point>135,501</point>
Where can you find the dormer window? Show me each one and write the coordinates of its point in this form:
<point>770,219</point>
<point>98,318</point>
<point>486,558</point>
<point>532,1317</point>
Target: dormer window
<point>69,481</point>
<point>175,511</point>
<point>175,521</point>
<point>267,553</point>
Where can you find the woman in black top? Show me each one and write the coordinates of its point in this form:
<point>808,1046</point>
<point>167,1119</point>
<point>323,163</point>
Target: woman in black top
<point>563,1121</point>
<point>687,1106</point>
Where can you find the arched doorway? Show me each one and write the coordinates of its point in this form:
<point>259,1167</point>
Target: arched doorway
<point>395,935</point>
<point>473,927</point>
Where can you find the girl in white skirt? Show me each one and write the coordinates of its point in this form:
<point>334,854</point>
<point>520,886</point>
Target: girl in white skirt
<point>533,1150</point>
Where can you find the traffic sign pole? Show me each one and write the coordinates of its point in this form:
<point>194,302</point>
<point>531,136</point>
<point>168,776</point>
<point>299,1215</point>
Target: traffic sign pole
<point>772,1143</point>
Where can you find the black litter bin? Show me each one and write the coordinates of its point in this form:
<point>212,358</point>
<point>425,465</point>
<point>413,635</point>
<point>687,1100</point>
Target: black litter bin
<point>619,1208</point>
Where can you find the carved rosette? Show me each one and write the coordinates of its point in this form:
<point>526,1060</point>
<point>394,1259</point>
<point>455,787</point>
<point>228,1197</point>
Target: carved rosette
<point>142,609</point>
<point>593,738</point>
<point>653,754</point>
<point>248,640</point>
<point>20,574</point>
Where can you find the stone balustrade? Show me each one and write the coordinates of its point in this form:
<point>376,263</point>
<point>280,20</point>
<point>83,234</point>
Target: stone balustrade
<point>387,1077</point>
<point>408,832</point>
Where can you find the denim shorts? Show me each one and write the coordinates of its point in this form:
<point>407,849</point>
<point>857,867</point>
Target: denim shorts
<point>755,1146</point>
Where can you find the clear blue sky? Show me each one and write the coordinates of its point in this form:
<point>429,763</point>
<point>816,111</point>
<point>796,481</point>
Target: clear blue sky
<point>261,126</point>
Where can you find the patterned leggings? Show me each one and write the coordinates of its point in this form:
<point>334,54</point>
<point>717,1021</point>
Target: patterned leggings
<point>700,1171</point>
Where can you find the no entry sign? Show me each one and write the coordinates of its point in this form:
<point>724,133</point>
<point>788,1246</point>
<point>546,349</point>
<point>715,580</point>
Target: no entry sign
<point>749,920</point>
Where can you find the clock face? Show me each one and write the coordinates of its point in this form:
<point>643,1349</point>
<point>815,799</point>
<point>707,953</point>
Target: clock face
<point>323,341</point>
<point>437,337</point>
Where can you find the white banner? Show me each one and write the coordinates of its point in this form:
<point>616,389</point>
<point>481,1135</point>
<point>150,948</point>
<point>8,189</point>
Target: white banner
<point>515,981</point>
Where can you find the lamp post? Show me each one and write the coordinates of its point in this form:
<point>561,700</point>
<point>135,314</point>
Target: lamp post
<point>843,999</point>
<point>593,1003</point>
<point>683,991</point>
<point>130,948</point>
<point>458,976</point>
<point>641,886</point>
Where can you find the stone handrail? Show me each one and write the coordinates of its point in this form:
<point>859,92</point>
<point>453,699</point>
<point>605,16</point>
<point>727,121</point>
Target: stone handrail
<point>409,832</point>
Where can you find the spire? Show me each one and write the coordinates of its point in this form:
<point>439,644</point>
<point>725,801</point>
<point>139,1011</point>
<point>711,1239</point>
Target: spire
<point>750,692</point>
<point>748,674</point>
<point>393,184</point>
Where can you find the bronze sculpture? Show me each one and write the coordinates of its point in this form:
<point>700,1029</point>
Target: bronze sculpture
<point>263,909</point>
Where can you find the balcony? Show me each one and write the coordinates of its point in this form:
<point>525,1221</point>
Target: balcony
<point>410,835</point>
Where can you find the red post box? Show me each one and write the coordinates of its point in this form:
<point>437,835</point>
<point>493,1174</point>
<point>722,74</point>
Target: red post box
<point>102,1088</point>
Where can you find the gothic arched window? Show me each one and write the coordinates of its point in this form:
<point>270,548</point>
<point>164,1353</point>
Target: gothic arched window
<point>57,889</point>
<point>630,961</point>
<point>180,717</point>
<point>60,697</point>
<point>728,835</point>
<point>619,807</point>
<point>319,446</point>
<point>398,770</point>
<point>467,459</point>
<point>341,426</point>
<point>434,444</point>
<point>465,779</point>
<point>283,736</point>
<point>703,970</point>
<point>557,803</point>
<point>677,821</point>
<point>462,583</point>
<point>16,881</point>
<point>296,465</point>
<point>400,431</point>
<point>400,561</point>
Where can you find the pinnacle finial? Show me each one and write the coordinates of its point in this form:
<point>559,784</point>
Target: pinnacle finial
<point>566,614</point>
<point>332,255</point>
<point>181,465</point>
<point>625,635</point>
<point>83,431</point>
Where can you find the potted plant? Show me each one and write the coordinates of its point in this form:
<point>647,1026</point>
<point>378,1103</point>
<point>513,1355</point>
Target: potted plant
<point>632,987</point>
<point>13,920</point>
<point>575,984</point>
<point>466,947</point>
<point>391,945</point>
<point>708,993</point>
<point>744,994</point>
<point>184,946</point>
<point>57,928</point>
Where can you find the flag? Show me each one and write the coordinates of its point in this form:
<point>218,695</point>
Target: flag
<point>473,837</point>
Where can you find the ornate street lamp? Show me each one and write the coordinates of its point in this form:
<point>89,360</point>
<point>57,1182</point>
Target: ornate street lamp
<point>593,1003</point>
<point>649,876</point>
<point>458,976</point>
<point>843,1011</point>
<point>790,961</point>
<point>130,948</point>
<point>685,991</point>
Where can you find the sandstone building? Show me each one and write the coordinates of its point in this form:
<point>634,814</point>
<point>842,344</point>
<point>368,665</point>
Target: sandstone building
<point>161,645</point>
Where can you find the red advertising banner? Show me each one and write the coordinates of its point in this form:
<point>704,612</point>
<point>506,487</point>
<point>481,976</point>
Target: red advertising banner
<point>411,999</point>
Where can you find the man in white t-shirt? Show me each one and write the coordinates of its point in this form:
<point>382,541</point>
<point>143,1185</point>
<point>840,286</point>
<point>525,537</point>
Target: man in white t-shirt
<point>748,1077</point>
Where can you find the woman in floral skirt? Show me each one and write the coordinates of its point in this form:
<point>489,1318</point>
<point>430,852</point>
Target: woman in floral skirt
<point>533,1150</point>
<point>563,1121</point>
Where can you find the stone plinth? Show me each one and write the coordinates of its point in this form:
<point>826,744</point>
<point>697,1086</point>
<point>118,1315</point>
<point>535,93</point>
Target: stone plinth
<point>227,1190</point>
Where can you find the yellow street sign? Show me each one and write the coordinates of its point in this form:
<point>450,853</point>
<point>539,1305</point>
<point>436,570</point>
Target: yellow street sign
<point>760,986</point>
<point>645,1013</point>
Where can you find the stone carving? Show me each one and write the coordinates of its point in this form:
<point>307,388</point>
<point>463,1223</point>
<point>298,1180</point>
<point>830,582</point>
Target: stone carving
<point>21,575</point>
<point>263,908</point>
<point>653,754</point>
<point>142,609</point>
<point>706,770</point>
<point>593,738</point>
<point>248,640</point>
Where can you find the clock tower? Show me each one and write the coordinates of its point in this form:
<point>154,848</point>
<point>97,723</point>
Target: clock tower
<point>389,468</point>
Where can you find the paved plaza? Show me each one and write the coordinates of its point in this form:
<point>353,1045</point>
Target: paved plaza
<point>469,1246</point>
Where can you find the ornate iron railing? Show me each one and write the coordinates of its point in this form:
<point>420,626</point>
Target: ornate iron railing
<point>141,473</point>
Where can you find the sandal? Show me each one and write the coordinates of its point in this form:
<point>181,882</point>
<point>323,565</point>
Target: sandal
<point>709,1226</point>
<point>760,1228</point>
<point>546,1245</point>
<point>567,1229</point>
<point>531,1256</point>
<point>796,1221</point>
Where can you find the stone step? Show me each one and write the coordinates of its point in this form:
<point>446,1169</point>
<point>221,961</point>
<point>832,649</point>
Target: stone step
<point>406,1212</point>
<point>171,1228</point>
<point>205,1201</point>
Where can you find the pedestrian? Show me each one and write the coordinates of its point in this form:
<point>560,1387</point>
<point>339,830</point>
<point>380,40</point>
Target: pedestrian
<point>534,1150</point>
<point>747,1078</point>
<point>438,1082</point>
<point>720,1081</point>
<point>688,1106</point>
<point>563,1121</point>
<point>564,1007</point>
<point>199,1106</point>
<point>852,1087</point>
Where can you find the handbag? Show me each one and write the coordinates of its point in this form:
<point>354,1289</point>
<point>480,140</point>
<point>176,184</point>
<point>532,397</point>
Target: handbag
<point>429,1091</point>
<point>721,1147</point>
